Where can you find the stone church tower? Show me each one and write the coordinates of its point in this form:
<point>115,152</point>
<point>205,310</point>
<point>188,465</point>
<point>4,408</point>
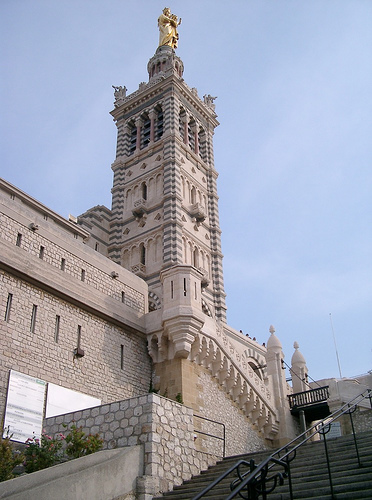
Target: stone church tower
<point>164,227</point>
<point>164,196</point>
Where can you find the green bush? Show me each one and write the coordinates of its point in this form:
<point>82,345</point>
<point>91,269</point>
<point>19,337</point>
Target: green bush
<point>9,458</point>
<point>79,444</point>
<point>43,453</point>
<point>47,451</point>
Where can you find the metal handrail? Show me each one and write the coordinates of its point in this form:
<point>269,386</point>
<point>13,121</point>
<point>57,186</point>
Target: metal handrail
<point>255,480</point>
<point>223,438</point>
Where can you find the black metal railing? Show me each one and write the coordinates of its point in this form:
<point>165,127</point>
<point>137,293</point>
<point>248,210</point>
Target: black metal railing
<point>221,438</point>
<point>262,479</point>
<point>306,398</point>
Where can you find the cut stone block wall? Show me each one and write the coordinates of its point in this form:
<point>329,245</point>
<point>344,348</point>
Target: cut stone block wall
<point>102,372</point>
<point>215,404</point>
<point>164,427</point>
<point>55,250</point>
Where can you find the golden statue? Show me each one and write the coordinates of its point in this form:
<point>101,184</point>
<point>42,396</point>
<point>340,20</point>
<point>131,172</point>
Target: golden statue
<point>168,23</point>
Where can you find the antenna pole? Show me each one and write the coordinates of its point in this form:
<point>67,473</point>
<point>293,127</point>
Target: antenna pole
<point>334,340</point>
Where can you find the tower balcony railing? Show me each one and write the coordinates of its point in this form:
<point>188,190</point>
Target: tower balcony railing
<point>139,207</point>
<point>198,211</point>
<point>139,269</point>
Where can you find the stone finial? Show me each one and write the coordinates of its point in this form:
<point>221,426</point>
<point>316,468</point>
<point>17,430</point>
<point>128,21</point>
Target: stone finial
<point>273,343</point>
<point>297,358</point>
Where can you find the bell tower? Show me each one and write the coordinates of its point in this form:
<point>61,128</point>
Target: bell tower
<point>164,195</point>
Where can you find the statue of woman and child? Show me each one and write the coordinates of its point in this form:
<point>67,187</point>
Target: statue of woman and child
<point>168,24</point>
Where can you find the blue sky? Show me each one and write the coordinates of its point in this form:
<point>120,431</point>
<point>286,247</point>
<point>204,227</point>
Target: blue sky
<point>293,80</point>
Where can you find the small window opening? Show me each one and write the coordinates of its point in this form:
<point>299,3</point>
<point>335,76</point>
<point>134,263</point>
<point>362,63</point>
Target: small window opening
<point>132,138</point>
<point>144,190</point>
<point>96,247</point>
<point>171,289</point>
<point>63,264</point>
<point>184,287</point>
<point>33,318</point>
<point>56,328</point>
<point>82,275</point>
<point>159,124</point>
<point>122,357</point>
<point>41,252</point>
<point>143,254</point>
<point>8,307</point>
<point>19,239</point>
<point>145,132</point>
<point>78,336</point>
<point>196,291</point>
<point>123,297</point>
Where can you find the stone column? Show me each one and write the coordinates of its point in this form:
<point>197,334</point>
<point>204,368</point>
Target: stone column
<point>186,129</point>
<point>152,126</point>
<point>196,134</point>
<point>138,123</point>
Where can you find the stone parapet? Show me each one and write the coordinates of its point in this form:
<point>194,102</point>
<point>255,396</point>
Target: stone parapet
<point>165,429</point>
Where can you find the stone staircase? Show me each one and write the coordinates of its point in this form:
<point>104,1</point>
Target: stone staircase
<point>308,469</point>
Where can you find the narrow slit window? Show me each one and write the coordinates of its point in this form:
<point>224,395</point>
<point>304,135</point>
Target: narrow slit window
<point>171,289</point>
<point>83,275</point>
<point>143,254</point>
<point>122,357</point>
<point>123,297</point>
<point>96,246</point>
<point>78,336</point>
<point>196,291</point>
<point>41,252</point>
<point>33,318</point>
<point>19,239</point>
<point>63,264</point>
<point>56,328</point>
<point>184,287</point>
<point>8,307</point>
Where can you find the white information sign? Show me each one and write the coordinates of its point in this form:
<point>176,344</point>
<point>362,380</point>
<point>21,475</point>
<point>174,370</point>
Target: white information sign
<point>334,432</point>
<point>24,406</point>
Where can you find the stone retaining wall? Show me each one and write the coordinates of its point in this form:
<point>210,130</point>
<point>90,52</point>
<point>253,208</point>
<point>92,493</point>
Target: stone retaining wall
<point>164,427</point>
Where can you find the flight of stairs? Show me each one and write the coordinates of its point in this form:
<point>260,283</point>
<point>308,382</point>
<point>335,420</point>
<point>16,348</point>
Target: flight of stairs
<point>309,473</point>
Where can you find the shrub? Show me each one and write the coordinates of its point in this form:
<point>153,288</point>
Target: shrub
<point>43,453</point>
<point>9,458</point>
<point>79,444</point>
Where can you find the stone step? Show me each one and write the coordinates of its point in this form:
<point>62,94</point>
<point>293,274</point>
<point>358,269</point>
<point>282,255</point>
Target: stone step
<point>309,473</point>
<point>303,462</point>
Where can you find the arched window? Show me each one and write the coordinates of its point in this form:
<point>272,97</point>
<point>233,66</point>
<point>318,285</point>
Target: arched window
<point>193,195</point>
<point>145,130</point>
<point>142,250</point>
<point>144,190</point>
<point>181,124</point>
<point>132,133</point>
<point>202,144</point>
<point>159,122</point>
<point>196,257</point>
<point>191,134</point>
